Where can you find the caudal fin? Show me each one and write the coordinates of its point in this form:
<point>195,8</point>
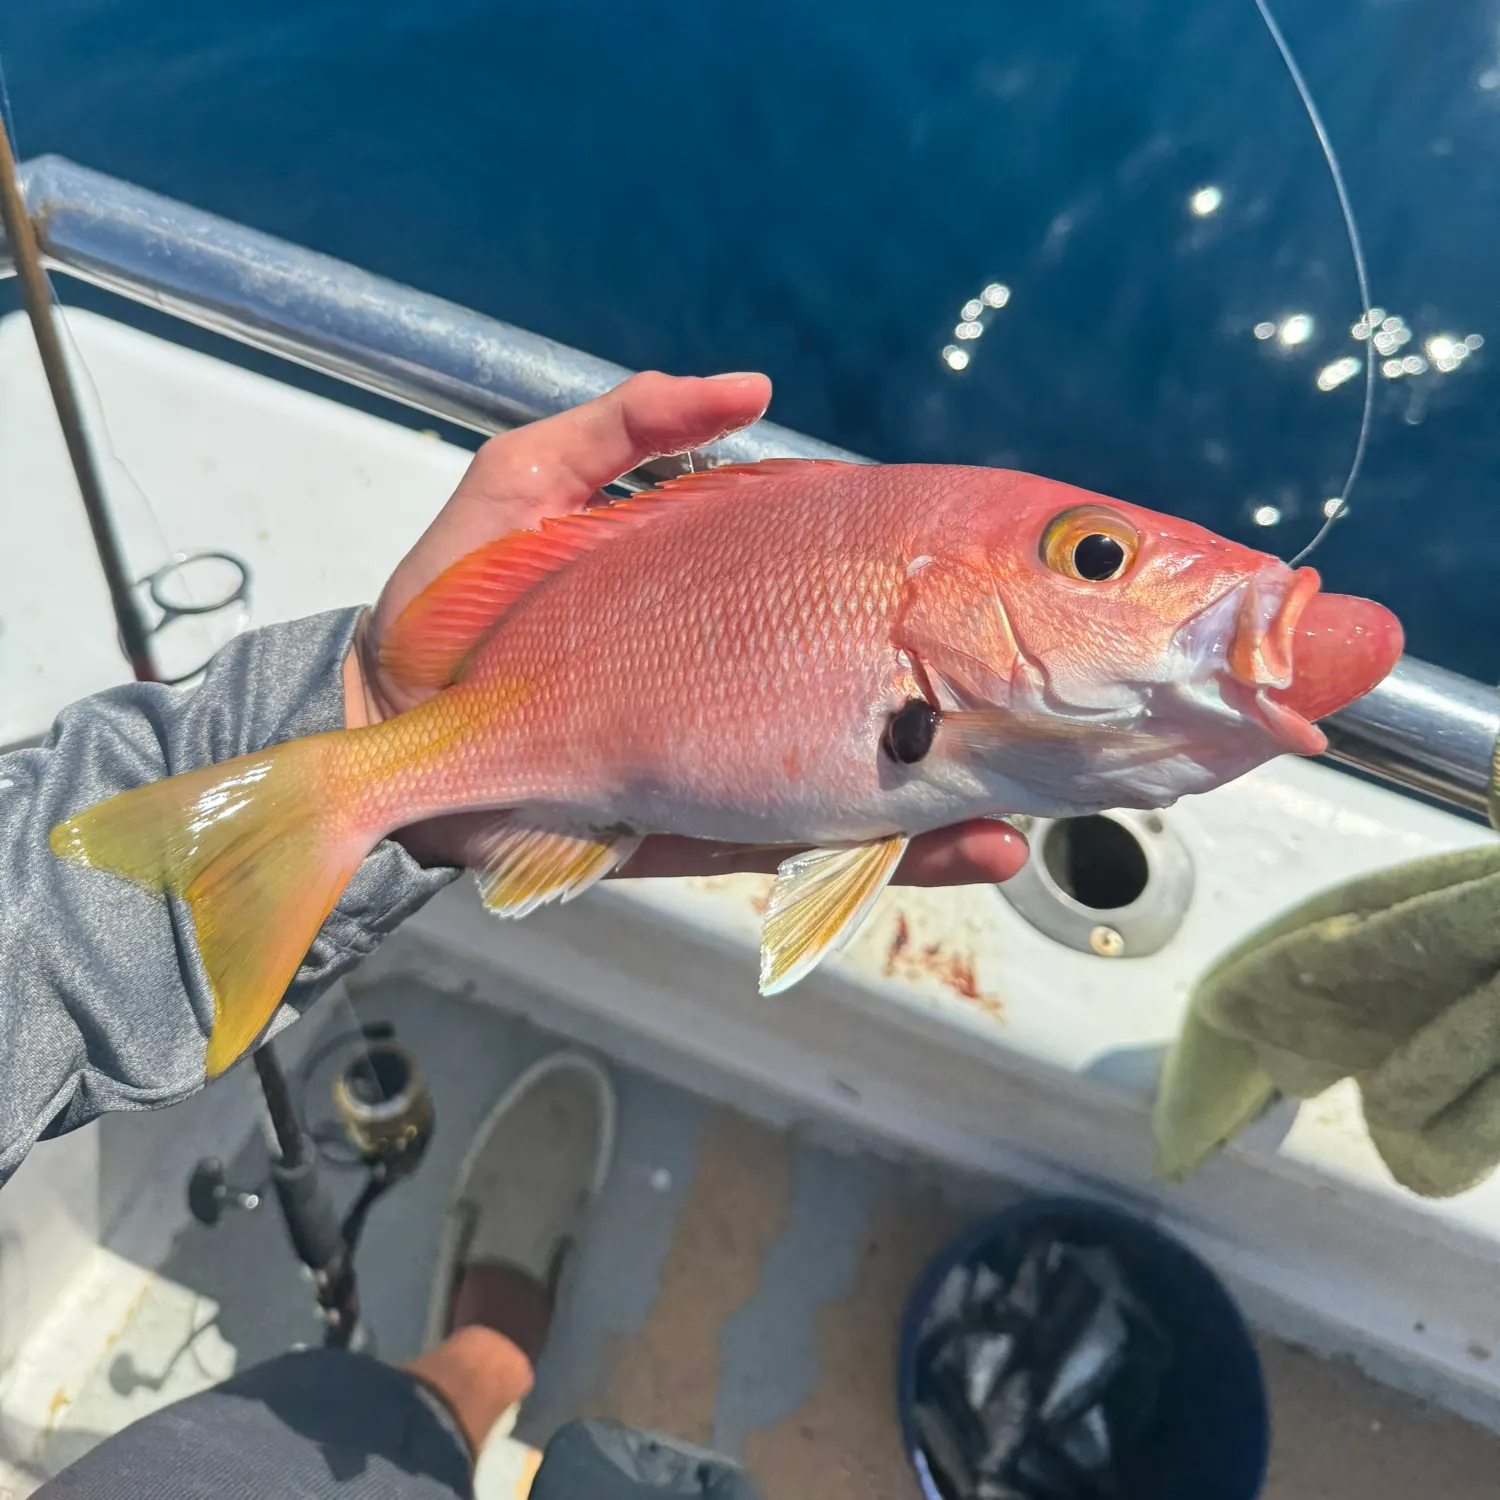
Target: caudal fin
<point>257,848</point>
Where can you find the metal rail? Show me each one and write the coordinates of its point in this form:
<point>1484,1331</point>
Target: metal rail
<point>1425,729</point>
<point>323,313</point>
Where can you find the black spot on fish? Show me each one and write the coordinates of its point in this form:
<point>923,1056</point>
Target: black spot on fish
<point>908,737</point>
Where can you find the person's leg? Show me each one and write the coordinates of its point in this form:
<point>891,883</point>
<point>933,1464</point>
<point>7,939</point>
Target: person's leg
<point>480,1374</point>
<point>310,1425</point>
<point>315,1424</point>
<point>527,1186</point>
<point>320,1424</point>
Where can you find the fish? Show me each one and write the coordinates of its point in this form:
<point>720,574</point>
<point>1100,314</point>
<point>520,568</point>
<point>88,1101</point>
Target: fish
<point>832,657</point>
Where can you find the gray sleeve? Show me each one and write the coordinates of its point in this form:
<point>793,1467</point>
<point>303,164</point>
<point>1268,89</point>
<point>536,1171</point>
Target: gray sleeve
<point>103,998</point>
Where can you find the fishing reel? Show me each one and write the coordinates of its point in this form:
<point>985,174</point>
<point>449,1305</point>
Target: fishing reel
<point>383,1103</point>
<point>383,1122</point>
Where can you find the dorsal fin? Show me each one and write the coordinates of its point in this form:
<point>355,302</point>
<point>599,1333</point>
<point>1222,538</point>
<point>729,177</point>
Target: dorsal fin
<point>429,641</point>
<point>431,638</point>
<point>733,476</point>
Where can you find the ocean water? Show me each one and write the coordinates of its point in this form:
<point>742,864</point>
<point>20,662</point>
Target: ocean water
<point>816,188</point>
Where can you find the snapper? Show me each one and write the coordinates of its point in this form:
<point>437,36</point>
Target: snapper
<point>794,653</point>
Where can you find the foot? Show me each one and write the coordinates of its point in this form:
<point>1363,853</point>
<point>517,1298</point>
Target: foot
<point>531,1175</point>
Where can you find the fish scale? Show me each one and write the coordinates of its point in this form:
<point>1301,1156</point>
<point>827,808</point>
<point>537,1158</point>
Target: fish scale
<point>723,658</point>
<point>707,679</point>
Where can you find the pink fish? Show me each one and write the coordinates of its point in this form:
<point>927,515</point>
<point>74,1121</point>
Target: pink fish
<point>787,653</point>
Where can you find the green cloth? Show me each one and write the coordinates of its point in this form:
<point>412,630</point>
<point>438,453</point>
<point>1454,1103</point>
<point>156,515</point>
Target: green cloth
<point>1392,980</point>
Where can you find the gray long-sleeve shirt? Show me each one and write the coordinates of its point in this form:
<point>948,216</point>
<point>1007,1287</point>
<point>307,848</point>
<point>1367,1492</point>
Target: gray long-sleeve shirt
<point>105,1002</point>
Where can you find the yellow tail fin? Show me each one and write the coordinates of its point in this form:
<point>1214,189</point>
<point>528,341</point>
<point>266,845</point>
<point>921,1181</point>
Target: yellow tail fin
<point>258,849</point>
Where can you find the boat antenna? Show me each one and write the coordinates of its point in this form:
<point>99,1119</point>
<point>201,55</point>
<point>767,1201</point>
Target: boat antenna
<point>1335,508</point>
<point>36,295</point>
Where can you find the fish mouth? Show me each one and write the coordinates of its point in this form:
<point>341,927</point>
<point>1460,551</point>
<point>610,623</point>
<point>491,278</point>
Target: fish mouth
<point>1298,654</point>
<point>1262,650</point>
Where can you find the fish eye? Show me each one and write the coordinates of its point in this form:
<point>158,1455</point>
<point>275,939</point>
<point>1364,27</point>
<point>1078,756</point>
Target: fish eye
<point>1089,543</point>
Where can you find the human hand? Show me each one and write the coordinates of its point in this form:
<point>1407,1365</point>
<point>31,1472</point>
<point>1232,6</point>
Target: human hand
<point>561,464</point>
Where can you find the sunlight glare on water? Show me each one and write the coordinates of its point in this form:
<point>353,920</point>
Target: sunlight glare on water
<point>1133,195</point>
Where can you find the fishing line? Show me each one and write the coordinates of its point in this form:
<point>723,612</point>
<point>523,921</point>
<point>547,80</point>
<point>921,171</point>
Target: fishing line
<point>1351,228</point>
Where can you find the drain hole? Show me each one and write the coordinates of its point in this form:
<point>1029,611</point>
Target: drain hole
<point>1097,861</point>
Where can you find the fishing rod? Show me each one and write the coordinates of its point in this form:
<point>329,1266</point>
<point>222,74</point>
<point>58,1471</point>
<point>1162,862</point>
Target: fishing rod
<point>323,1242</point>
<point>36,295</point>
<point>384,1113</point>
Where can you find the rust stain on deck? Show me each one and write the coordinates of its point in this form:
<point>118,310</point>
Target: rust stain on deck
<point>900,939</point>
<point>905,960</point>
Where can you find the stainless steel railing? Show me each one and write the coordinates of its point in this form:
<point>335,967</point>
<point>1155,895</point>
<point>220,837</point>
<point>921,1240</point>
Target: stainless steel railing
<point>332,317</point>
<point>1425,729</point>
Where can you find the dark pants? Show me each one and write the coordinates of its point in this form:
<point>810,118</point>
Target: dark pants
<point>325,1425</point>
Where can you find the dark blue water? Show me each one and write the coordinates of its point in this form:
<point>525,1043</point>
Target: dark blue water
<point>816,187</point>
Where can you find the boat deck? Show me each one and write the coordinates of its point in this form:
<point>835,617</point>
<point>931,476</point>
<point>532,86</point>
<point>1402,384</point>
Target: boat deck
<point>740,1286</point>
<point>742,1280</point>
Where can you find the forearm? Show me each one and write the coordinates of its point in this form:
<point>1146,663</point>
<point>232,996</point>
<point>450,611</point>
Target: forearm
<point>103,999</point>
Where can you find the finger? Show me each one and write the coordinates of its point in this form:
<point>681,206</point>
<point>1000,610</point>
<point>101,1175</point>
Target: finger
<point>980,852</point>
<point>559,463</point>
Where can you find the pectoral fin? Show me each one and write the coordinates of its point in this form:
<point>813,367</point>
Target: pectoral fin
<point>523,866</point>
<point>817,904</point>
<point>980,731</point>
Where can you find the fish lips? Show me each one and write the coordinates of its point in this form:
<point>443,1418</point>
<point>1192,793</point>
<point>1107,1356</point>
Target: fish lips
<point>1342,648</point>
<point>1260,656</point>
<point>1298,654</point>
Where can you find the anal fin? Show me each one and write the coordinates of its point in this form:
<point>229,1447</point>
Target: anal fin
<point>818,903</point>
<point>524,865</point>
